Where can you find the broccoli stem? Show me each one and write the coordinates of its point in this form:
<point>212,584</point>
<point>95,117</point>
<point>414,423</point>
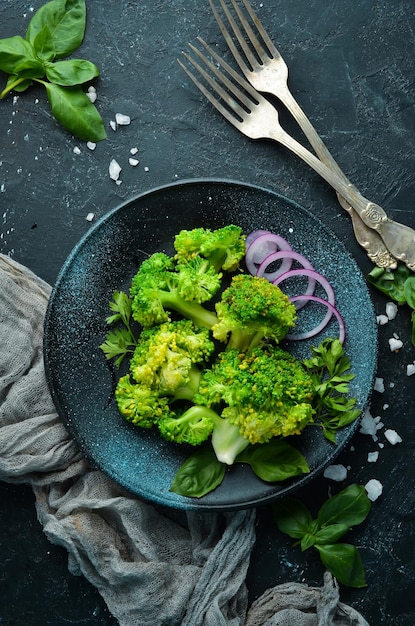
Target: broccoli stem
<point>242,341</point>
<point>188,391</point>
<point>226,441</point>
<point>191,310</point>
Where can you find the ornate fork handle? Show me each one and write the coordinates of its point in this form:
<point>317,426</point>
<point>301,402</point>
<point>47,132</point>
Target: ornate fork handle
<point>398,238</point>
<point>368,238</point>
<point>266,70</point>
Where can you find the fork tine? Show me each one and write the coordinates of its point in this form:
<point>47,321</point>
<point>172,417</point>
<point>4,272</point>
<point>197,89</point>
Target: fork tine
<point>233,120</point>
<point>255,19</point>
<point>264,53</point>
<point>234,97</point>
<point>238,34</point>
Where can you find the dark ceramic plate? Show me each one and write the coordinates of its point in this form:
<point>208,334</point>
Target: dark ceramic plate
<point>82,383</point>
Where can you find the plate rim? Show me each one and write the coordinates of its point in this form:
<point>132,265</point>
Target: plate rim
<point>192,503</point>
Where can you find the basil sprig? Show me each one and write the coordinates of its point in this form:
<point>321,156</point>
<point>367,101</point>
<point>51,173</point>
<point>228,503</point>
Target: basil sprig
<point>274,461</point>
<point>335,518</point>
<point>398,285</point>
<point>55,31</point>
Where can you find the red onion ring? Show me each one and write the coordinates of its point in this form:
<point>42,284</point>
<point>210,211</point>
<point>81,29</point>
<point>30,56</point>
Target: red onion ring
<point>254,235</point>
<point>263,245</point>
<point>317,329</point>
<point>313,277</point>
<point>287,257</point>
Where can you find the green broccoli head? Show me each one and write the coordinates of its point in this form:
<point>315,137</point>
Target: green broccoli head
<point>161,286</point>
<point>165,357</point>
<point>224,248</point>
<point>197,280</point>
<point>252,309</point>
<point>266,393</point>
<point>193,426</point>
<point>139,404</point>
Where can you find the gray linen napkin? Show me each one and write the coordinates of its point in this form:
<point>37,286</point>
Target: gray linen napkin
<point>153,566</point>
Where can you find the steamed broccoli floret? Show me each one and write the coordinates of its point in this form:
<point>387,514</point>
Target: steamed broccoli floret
<point>193,426</point>
<point>166,356</point>
<point>252,309</point>
<point>163,369</point>
<point>223,248</point>
<point>161,286</point>
<point>139,404</point>
<point>266,393</point>
<point>244,399</point>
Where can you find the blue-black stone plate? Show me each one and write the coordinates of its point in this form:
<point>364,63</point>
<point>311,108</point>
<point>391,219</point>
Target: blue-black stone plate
<point>82,383</point>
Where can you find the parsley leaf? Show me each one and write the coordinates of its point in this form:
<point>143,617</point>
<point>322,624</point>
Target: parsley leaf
<point>329,367</point>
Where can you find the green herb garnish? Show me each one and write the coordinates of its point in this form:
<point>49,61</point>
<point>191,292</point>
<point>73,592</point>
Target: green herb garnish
<point>335,518</point>
<point>55,31</point>
<point>398,285</point>
<point>330,367</point>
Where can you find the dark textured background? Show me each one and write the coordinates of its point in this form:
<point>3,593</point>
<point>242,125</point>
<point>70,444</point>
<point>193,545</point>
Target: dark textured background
<point>352,70</point>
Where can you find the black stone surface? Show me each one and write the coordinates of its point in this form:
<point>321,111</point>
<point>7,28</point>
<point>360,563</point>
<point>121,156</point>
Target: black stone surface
<point>352,70</point>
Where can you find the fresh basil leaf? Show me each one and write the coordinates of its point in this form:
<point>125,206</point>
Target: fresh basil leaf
<point>274,461</point>
<point>307,541</point>
<point>74,110</point>
<point>292,517</point>
<point>30,68</point>
<point>65,19</point>
<point>390,282</point>
<point>409,291</point>
<point>349,507</point>
<point>200,474</point>
<point>43,44</point>
<point>331,533</point>
<point>15,52</point>
<point>17,83</point>
<point>71,72</point>
<point>344,562</point>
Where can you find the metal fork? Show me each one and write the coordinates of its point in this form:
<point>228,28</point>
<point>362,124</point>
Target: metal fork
<point>256,118</point>
<point>266,70</point>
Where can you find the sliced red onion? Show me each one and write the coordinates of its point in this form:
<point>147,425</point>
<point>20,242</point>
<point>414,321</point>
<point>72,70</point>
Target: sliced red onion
<point>254,235</point>
<point>313,277</point>
<point>317,329</point>
<point>261,247</point>
<point>287,257</point>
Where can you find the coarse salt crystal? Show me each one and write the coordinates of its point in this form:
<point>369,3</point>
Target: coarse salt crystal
<point>379,385</point>
<point>91,145</point>
<point>77,150</point>
<point>113,125</point>
<point>374,489</point>
<point>335,472</point>
<point>392,436</point>
<point>133,151</point>
<point>382,319</point>
<point>372,457</point>
<point>114,170</point>
<point>410,369</point>
<point>368,424</point>
<point>395,344</point>
<point>90,217</point>
<point>391,310</point>
<point>146,169</point>
<point>122,120</point>
<point>92,94</point>
<point>133,162</point>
